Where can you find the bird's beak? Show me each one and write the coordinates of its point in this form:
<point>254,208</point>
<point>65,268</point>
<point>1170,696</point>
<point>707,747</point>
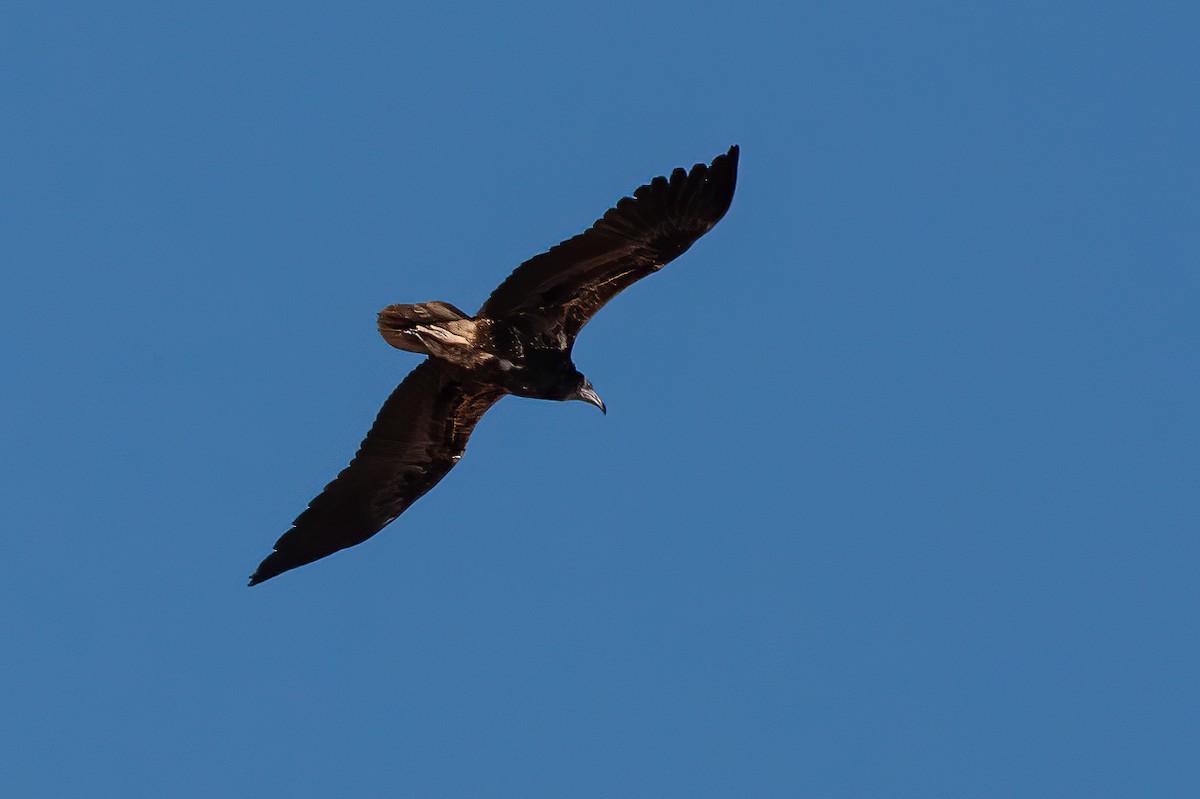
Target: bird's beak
<point>588,394</point>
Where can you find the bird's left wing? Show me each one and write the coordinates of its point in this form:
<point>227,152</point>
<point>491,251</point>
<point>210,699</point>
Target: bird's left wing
<point>570,282</point>
<point>419,435</point>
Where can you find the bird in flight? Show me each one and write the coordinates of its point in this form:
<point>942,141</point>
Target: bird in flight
<point>518,343</point>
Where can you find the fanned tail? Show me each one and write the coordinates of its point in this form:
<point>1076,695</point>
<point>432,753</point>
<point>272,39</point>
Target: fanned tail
<point>398,323</point>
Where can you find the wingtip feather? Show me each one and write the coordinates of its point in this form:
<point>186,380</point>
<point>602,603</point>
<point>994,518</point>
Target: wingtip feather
<point>272,565</point>
<point>260,575</point>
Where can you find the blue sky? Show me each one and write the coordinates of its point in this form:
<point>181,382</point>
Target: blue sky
<point>896,495</point>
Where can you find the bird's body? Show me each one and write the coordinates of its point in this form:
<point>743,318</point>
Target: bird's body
<point>522,354</point>
<point>518,343</point>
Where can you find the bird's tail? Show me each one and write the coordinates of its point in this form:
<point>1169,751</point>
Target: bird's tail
<point>398,323</point>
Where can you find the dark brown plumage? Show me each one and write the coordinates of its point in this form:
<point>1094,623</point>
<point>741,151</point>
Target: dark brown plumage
<point>519,343</point>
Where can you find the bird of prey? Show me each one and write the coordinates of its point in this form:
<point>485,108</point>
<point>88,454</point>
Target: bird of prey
<point>518,343</point>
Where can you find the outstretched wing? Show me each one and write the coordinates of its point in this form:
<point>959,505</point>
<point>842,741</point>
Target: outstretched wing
<point>568,284</point>
<point>419,435</point>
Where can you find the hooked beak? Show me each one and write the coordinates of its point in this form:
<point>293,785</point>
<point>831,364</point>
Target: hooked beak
<point>588,394</point>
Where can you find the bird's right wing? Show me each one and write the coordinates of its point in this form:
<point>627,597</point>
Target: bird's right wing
<point>570,282</point>
<point>419,435</point>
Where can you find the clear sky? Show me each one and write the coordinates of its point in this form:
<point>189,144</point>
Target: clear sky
<point>896,495</point>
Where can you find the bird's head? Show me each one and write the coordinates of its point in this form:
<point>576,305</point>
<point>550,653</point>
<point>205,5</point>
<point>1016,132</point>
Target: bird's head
<point>554,377</point>
<point>585,393</point>
<point>574,386</point>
